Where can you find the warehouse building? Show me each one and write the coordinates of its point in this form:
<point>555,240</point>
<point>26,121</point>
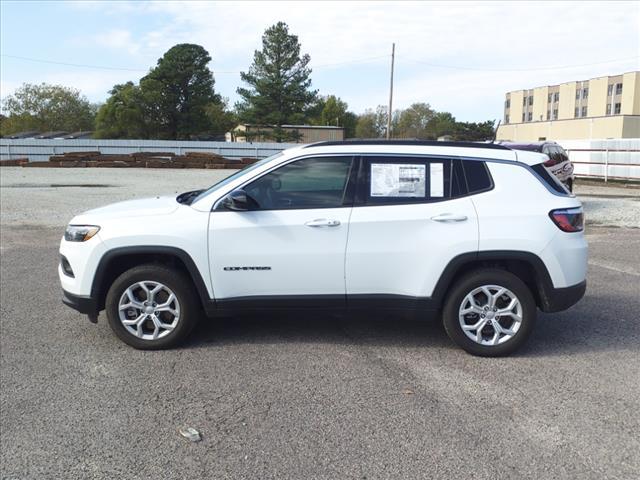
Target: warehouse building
<point>603,107</point>
<point>306,133</point>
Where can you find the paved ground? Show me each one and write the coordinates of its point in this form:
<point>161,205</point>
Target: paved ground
<point>313,397</point>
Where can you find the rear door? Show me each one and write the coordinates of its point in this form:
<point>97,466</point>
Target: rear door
<point>410,218</point>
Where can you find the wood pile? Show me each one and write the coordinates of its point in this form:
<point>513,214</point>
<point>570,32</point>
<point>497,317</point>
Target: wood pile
<point>16,162</point>
<point>140,160</point>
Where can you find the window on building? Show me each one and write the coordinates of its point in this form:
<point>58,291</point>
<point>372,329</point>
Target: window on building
<point>523,117</point>
<point>577,94</point>
<point>549,98</point>
<point>577,112</point>
<point>618,88</point>
<point>610,90</point>
<point>556,97</point>
<point>616,109</point>
<point>548,114</point>
<point>529,116</point>
<point>530,99</point>
<point>555,114</point>
<point>584,111</point>
<point>585,92</point>
<point>608,109</point>
<point>524,101</point>
<point>507,103</point>
<point>506,119</point>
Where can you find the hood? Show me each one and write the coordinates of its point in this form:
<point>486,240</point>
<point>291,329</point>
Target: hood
<point>144,207</point>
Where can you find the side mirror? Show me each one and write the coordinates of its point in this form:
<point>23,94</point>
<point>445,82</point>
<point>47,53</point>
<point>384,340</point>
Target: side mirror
<point>239,201</point>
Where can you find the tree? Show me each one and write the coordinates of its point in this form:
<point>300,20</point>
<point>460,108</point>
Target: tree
<point>414,121</point>
<point>221,119</point>
<point>373,124</point>
<point>176,93</point>
<point>47,107</point>
<point>333,111</point>
<point>278,91</point>
<point>122,116</point>
<point>472,131</point>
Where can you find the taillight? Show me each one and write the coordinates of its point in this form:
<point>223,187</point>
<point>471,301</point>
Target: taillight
<point>568,219</point>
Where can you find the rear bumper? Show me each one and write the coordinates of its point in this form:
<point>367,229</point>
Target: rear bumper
<point>558,299</point>
<point>82,304</point>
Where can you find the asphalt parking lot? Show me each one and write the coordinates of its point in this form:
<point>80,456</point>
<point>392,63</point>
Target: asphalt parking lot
<point>312,396</point>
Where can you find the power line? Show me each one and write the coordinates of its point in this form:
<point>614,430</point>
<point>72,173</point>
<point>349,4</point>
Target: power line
<point>104,67</point>
<point>557,67</point>
<point>349,62</point>
<point>96,67</point>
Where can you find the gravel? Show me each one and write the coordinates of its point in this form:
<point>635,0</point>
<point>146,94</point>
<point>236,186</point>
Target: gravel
<point>52,197</point>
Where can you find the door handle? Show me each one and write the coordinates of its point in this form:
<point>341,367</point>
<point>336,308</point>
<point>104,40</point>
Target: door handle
<point>322,222</point>
<point>449,217</point>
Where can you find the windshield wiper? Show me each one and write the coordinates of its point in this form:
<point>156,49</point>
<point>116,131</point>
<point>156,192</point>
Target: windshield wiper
<point>187,197</point>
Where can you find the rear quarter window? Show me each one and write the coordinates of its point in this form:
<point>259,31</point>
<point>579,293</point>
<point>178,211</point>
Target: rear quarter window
<point>549,179</point>
<point>477,176</point>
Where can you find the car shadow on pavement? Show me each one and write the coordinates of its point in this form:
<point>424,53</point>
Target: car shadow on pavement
<point>594,325</point>
<point>348,329</point>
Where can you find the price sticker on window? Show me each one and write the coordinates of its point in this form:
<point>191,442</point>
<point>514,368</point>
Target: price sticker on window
<point>398,180</point>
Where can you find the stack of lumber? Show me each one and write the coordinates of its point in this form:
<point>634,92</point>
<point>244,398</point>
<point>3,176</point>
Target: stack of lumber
<point>141,160</point>
<point>15,162</point>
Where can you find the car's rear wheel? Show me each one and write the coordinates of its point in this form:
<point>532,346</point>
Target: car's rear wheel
<point>151,307</point>
<point>489,313</point>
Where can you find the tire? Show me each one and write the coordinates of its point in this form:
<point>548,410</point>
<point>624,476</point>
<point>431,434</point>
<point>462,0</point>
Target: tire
<point>514,326</point>
<point>159,322</point>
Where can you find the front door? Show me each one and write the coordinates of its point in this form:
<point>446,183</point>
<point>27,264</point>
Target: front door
<point>291,248</point>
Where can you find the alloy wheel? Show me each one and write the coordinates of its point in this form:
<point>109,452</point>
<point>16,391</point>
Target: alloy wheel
<point>490,315</point>
<point>149,310</point>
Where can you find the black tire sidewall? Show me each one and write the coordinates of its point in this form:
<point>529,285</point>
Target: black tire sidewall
<point>175,281</point>
<point>489,277</point>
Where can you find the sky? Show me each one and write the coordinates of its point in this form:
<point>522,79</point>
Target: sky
<point>460,57</point>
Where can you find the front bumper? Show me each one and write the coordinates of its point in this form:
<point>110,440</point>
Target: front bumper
<point>82,304</point>
<point>558,299</point>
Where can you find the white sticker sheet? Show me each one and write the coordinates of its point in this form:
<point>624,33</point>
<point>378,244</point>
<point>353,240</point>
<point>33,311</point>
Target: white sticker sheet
<point>398,180</point>
<point>436,179</point>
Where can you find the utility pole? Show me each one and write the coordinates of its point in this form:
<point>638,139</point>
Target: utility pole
<point>390,111</point>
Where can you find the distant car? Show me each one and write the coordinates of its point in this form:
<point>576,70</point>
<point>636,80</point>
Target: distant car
<point>558,163</point>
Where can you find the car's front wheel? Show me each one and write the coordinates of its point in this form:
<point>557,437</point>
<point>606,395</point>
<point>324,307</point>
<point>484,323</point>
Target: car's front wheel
<point>489,312</point>
<point>151,307</point>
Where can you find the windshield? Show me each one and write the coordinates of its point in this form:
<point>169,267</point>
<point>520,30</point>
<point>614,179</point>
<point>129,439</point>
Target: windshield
<point>231,178</point>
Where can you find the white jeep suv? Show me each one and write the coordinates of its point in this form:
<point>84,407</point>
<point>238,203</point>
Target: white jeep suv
<point>480,234</point>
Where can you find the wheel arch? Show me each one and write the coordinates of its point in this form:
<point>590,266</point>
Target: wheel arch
<point>525,265</point>
<point>115,262</point>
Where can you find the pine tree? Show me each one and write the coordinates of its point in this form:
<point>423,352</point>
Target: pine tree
<point>279,84</point>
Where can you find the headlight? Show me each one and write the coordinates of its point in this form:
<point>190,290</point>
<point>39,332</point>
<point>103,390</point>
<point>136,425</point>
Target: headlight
<point>80,233</point>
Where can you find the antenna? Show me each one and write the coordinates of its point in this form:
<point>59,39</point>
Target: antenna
<point>495,133</point>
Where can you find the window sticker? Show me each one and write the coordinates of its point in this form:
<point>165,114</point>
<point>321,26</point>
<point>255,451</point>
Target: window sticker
<point>436,179</point>
<point>398,180</point>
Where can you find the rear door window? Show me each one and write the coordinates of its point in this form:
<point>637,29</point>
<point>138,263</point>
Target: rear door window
<point>388,180</point>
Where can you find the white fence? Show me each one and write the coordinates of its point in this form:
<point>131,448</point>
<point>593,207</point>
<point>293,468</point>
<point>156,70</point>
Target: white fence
<point>40,150</point>
<point>607,159</point>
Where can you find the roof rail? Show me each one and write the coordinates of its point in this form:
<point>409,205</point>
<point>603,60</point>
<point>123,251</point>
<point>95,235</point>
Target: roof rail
<point>433,143</point>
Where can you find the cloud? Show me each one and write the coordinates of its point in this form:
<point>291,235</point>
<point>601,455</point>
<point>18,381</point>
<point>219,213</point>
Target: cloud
<point>339,36</point>
<point>119,40</point>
